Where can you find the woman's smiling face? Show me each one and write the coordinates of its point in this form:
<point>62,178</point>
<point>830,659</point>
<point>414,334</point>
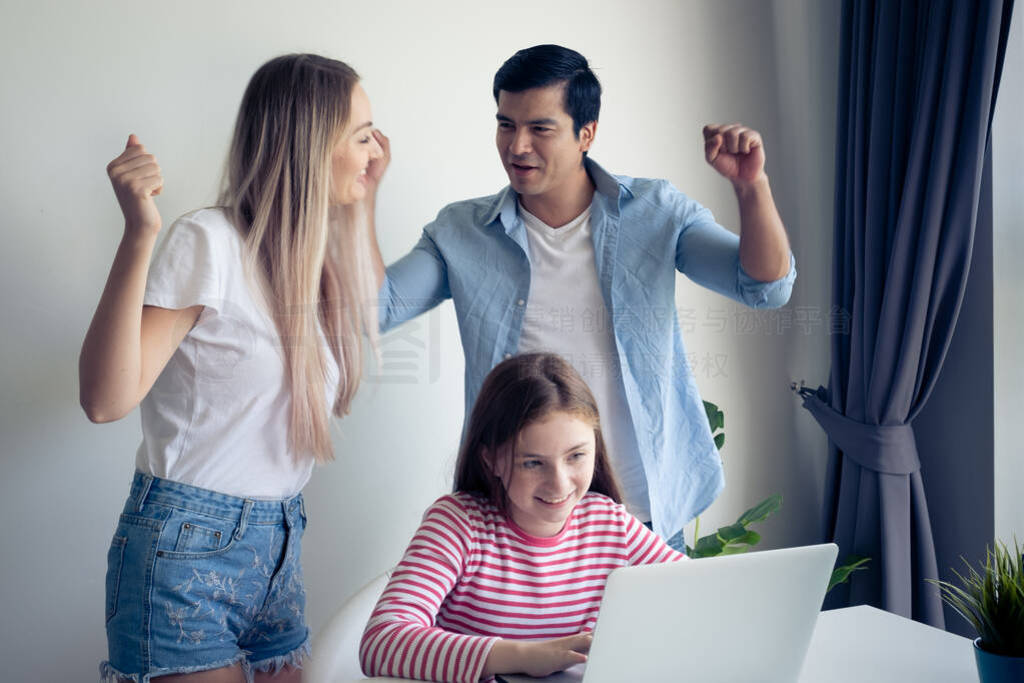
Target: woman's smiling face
<point>353,152</point>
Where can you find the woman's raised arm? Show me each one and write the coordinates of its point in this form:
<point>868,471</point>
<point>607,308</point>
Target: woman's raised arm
<point>127,345</point>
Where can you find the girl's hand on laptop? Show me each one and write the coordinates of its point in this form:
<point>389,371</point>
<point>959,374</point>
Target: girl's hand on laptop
<point>537,657</point>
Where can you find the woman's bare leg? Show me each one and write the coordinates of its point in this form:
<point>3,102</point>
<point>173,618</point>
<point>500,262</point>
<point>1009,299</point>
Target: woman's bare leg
<point>225,674</point>
<point>288,674</point>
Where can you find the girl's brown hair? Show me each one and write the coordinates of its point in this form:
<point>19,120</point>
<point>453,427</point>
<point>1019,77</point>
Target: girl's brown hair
<point>517,392</point>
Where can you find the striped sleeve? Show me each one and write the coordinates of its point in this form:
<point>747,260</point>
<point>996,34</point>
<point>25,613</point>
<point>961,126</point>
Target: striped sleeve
<point>643,546</point>
<point>401,638</point>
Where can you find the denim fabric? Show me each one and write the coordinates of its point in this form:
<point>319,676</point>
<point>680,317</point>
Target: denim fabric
<point>199,580</point>
<point>676,542</point>
<point>644,231</point>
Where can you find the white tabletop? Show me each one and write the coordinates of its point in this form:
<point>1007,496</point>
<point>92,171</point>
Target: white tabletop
<point>871,645</point>
<point>868,645</point>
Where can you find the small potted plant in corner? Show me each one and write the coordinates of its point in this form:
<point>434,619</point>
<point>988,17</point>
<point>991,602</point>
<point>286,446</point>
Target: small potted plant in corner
<point>993,601</point>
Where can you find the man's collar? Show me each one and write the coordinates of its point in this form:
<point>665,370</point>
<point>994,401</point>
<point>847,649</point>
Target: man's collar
<point>607,184</point>
<point>505,206</point>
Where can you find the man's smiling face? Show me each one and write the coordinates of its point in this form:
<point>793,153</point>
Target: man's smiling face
<point>536,142</point>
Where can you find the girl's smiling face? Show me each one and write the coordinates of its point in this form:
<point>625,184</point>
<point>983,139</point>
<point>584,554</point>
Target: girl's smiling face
<point>549,473</point>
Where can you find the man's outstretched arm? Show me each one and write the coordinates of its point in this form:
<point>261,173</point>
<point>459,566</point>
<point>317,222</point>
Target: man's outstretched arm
<point>413,284</point>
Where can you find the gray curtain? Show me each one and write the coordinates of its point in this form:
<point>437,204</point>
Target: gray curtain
<point>917,85</point>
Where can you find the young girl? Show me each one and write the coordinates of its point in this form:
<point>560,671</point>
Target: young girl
<point>506,574</point>
<point>241,340</point>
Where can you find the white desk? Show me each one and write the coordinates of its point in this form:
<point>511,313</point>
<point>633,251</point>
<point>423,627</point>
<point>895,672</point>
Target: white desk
<point>868,645</point>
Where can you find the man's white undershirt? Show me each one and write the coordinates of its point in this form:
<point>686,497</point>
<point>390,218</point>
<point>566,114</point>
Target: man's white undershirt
<point>566,314</point>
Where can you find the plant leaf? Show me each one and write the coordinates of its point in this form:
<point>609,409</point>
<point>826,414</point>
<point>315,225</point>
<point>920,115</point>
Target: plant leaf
<point>992,599</point>
<point>716,418</point>
<point>761,511</point>
<point>708,546</point>
<point>842,573</point>
<point>731,532</point>
<point>742,544</point>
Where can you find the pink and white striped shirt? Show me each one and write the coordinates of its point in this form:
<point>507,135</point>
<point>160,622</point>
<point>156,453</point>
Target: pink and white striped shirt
<point>470,576</point>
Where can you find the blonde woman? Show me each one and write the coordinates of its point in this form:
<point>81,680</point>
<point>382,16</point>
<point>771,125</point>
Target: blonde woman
<point>237,338</point>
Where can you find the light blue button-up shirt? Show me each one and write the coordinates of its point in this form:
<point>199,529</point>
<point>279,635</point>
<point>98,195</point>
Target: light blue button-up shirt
<point>476,253</point>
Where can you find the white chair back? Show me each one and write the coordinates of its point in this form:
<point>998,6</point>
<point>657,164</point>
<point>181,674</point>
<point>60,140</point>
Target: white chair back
<point>336,647</point>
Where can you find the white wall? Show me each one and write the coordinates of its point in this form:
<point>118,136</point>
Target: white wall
<point>1008,288</point>
<point>79,77</point>
<point>772,444</point>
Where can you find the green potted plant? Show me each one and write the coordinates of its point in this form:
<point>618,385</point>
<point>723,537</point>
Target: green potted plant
<point>992,600</point>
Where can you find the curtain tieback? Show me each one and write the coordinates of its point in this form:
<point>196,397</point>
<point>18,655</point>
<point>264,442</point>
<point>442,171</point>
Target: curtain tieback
<point>888,449</point>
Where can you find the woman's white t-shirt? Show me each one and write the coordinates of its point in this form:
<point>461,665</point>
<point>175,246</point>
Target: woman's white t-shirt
<point>218,415</point>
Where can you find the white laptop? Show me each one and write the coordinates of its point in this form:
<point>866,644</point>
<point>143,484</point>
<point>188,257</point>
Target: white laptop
<point>739,618</point>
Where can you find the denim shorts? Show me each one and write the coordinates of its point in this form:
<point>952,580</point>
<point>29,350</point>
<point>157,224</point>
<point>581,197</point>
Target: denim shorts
<point>200,580</point>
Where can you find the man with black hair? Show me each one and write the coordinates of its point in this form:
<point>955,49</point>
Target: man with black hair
<point>574,260</point>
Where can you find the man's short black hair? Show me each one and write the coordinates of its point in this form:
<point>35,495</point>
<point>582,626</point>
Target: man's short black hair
<point>543,65</point>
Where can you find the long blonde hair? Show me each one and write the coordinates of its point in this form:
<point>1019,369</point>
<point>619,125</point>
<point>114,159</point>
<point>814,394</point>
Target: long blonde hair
<point>314,260</point>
